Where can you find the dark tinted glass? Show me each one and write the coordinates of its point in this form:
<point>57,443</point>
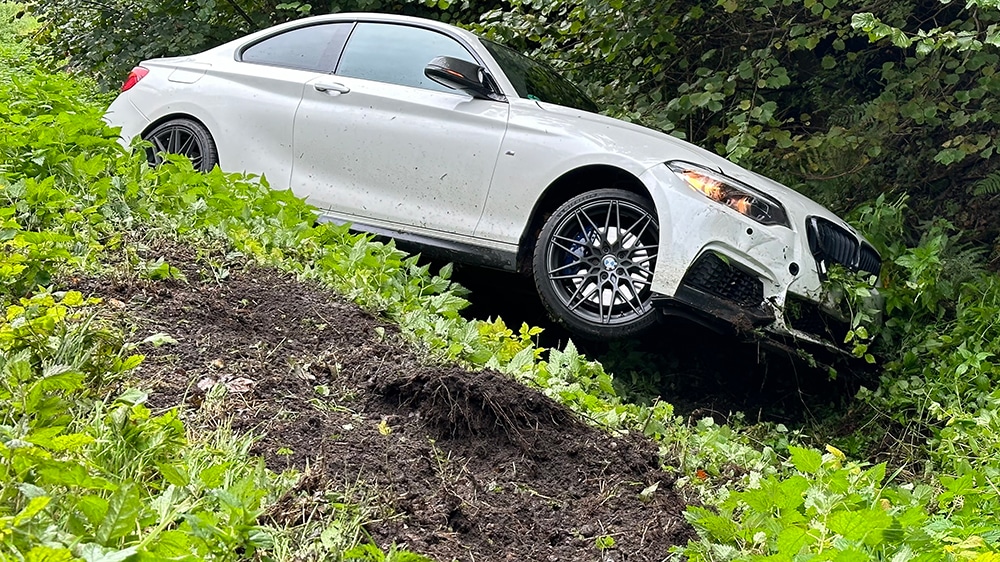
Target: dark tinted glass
<point>534,80</point>
<point>397,54</point>
<point>310,48</point>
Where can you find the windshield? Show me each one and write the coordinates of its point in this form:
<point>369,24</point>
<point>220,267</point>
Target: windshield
<point>536,81</point>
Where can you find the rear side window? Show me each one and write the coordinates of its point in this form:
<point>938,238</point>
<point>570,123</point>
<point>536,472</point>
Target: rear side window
<point>314,47</point>
<point>397,54</point>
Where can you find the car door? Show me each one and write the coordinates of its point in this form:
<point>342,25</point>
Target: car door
<point>380,144</point>
<point>254,97</point>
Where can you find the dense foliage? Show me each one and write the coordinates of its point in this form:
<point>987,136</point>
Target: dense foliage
<point>894,103</point>
<point>792,87</point>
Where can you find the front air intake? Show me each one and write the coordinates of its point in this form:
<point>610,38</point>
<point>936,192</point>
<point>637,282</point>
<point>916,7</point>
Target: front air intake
<point>716,276</point>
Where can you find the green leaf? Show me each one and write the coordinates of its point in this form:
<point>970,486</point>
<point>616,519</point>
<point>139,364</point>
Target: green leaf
<point>94,508</point>
<point>852,555</point>
<point>159,339</point>
<point>34,507</point>
<point>792,540</point>
<point>173,474</point>
<point>94,553</point>
<point>172,545</point>
<point>48,554</point>
<point>866,524</point>
<point>806,460</point>
<point>865,21</point>
<point>131,362</point>
<point>73,475</point>
<point>212,476</point>
<point>850,524</point>
<point>122,516</point>
<point>133,397</point>
<point>993,35</point>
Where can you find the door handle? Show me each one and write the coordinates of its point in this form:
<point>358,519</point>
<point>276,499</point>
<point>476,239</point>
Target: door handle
<point>331,87</point>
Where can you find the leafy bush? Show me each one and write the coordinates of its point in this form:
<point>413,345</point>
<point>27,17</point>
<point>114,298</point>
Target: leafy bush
<point>104,480</point>
<point>936,399</point>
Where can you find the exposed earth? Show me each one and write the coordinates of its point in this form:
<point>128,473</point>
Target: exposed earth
<point>468,465</point>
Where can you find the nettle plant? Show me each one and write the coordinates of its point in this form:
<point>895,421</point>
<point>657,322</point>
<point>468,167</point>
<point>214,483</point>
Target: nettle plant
<point>824,507</point>
<point>105,479</point>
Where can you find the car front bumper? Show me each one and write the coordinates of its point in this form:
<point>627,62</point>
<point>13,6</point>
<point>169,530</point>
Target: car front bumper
<point>725,270</point>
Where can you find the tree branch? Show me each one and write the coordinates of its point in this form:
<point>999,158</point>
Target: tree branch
<point>246,17</point>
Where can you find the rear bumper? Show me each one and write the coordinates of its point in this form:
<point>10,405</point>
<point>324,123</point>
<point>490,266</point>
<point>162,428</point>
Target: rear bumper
<point>124,114</point>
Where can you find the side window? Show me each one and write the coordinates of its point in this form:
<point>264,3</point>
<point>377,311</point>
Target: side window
<point>314,47</point>
<point>397,54</point>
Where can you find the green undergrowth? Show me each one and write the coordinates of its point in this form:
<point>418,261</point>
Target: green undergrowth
<point>79,449</point>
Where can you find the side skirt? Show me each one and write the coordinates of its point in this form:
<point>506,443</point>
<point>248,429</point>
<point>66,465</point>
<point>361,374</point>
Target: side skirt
<point>438,248</point>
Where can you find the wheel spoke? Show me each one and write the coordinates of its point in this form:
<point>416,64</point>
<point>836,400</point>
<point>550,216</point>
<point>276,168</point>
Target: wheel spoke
<point>570,240</point>
<point>643,247</point>
<point>614,301</point>
<point>174,141</point>
<point>582,299</point>
<point>597,229</point>
<point>642,276</point>
<point>635,295</point>
<point>565,249</point>
<point>644,259</point>
<point>158,141</point>
<point>645,221</point>
<point>567,266</point>
<point>607,220</point>
<point>600,302</point>
<point>185,148</point>
<point>580,275</point>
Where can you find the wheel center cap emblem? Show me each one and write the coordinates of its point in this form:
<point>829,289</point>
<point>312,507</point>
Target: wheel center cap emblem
<point>610,262</point>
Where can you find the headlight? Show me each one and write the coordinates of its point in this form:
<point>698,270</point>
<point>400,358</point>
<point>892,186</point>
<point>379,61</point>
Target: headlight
<point>739,197</point>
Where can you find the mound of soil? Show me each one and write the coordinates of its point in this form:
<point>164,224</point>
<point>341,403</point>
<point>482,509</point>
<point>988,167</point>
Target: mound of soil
<point>469,465</point>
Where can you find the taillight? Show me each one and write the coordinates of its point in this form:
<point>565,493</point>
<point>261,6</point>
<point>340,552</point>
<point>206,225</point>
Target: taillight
<point>133,78</point>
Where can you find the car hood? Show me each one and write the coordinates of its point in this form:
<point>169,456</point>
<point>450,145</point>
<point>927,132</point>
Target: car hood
<point>651,148</point>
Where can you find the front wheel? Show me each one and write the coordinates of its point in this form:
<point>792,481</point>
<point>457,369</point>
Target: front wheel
<point>186,138</point>
<point>593,263</point>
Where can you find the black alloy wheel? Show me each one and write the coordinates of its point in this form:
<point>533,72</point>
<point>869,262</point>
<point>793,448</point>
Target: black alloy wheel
<point>186,138</point>
<point>594,260</point>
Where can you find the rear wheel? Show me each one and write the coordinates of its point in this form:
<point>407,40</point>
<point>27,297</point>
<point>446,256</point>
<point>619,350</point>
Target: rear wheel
<point>185,137</point>
<point>593,263</point>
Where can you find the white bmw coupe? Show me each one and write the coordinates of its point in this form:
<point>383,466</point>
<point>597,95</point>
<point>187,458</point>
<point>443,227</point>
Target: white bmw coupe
<point>425,132</point>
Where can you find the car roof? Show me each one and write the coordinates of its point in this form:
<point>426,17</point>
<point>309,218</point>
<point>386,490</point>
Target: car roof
<point>370,17</point>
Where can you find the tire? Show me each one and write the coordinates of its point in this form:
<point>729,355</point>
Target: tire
<point>186,138</point>
<point>593,264</point>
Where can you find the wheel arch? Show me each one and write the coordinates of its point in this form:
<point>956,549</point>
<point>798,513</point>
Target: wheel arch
<point>570,184</point>
<point>172,116</point>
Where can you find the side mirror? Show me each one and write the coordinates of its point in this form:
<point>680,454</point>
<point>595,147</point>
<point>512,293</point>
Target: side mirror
<point>461,75</point>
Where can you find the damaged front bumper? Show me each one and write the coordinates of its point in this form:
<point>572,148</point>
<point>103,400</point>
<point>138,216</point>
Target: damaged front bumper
<point>724,270</point>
